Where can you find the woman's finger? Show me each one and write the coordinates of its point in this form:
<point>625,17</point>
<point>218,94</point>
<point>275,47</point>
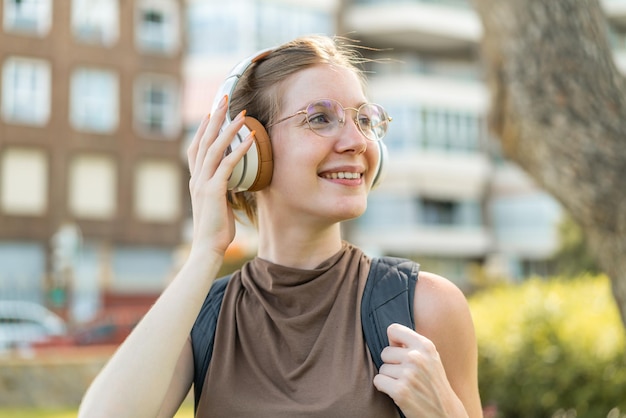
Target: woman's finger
<point>192,150</point>
<point>395,371</point>
<point>402,336</point>
<point>393,355</point>
<point>228,163</point>
<point>211,132</point>
<point>214,156</point>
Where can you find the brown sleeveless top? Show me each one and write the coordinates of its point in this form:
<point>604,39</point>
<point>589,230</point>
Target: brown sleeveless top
<point>289,344</point>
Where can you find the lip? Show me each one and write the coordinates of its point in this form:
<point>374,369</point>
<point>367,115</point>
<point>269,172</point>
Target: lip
<point>347,168</point>
<point>336,174</point>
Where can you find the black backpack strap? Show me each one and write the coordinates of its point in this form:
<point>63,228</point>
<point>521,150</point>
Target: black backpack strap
<point>387,299</point>
<point>203,334</point>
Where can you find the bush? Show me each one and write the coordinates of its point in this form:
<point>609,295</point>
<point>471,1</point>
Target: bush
<point>546,347</point>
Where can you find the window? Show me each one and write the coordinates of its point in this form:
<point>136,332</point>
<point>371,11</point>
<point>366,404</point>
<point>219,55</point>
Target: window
<point>444,130</point>
<point>404,129</point>
<point>22,265</point>
<point>92,187</point>
<point>156,106</point>
<point>157,26</point>
<point>436,212</point>
<point>280,22</point>
<point>140,269</point>
<point>95,21</point>
<point>28,16</point>
<point>388,210</point>
<point>26,91</point>
<point>23,182</point>
<point>157,191</point>
<point>459,213</point>
<point>94,97</point>
<point>210,30</point>
<point>225,30</point>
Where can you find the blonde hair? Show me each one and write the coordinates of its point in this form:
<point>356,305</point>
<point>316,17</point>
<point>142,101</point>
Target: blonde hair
<point>259,89</point>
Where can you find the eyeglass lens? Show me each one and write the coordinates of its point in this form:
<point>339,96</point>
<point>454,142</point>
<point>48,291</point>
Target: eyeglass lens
<point>326,117</point>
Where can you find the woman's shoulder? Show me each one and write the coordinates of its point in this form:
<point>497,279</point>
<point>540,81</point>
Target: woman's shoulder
<point>437,289</point>
<point>440,308</point>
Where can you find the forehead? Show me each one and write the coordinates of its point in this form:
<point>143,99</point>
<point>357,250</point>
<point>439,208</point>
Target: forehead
<point>322,81</point>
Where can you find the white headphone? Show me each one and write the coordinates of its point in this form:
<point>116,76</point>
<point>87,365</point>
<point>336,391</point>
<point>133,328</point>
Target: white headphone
<point>254,171</point>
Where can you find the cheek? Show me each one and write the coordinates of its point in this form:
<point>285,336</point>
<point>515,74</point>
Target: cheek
<point>292,161</point>
<point>373,157</point>
<point>296,154</point>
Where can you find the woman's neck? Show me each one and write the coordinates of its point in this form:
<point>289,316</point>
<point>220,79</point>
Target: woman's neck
<point>297,245</point>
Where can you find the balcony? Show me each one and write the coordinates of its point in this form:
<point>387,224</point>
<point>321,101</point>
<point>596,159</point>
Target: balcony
<point>615,11</point>
<point>437,26</point>
<point>432,90</point>
<point>456,242</point>
<point>437,175</point>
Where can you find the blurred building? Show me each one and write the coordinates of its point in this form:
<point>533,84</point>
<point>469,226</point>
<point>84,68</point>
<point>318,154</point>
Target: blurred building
<point>92,187</point>
<point>450,200</point>
<point>99,99</point>
<point>219,38</point>
<point>616,14</point>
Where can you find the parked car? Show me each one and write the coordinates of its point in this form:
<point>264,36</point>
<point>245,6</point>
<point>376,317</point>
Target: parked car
<point>24,324</point>
<point>110,327</point>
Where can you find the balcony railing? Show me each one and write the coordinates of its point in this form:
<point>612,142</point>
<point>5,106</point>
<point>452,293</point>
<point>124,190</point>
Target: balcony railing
<point>452,3</point>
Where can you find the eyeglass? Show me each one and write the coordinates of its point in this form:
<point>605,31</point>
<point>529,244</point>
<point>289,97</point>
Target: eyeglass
<point>326,117</point>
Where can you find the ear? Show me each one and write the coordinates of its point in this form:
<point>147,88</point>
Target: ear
<point>381,168</point>
<point>265,166</point>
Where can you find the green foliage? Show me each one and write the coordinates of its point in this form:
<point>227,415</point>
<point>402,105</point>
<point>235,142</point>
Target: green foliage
<point>573,256</point>
<point>551,346</point>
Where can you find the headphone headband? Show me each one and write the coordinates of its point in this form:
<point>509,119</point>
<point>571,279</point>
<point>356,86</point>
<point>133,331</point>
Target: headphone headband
<point>229,84</point>
<point>254,171</point>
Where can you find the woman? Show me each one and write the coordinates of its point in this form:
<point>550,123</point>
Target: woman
<point>288,340</point>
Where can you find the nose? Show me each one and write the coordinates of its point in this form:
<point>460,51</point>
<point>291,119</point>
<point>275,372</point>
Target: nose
<point>351,137</point>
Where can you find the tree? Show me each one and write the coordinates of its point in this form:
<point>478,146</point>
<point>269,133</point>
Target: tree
<point>559,110</point>
<point>572,258</point>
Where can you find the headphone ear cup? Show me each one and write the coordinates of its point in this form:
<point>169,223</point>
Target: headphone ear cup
<point>265,166</point>
<point>381,168</point>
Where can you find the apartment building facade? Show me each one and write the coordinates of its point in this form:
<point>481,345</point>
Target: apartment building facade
<point>432,206</point>
<point>450,200</point>
<point>92,186</point>
<point>437,203</point>
<point>100,97</point>
<point>440,203</point>
<point>218,39</point>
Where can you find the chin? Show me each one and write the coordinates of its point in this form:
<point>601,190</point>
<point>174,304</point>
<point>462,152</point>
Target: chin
<point>351,212</point>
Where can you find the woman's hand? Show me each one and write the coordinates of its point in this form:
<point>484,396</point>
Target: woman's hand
<point>213,220</point>
<point>414,377</point>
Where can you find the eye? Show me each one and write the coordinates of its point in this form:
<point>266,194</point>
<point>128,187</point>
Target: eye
<point>320,120</point>
<point>365,122</point>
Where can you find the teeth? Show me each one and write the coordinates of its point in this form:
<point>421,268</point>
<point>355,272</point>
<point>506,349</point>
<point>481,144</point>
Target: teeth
<point>342,175</point>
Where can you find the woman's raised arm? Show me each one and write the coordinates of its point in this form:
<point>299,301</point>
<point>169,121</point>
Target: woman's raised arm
<point>136,380</point>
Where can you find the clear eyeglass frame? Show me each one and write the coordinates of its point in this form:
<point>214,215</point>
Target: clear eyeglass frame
<point>326,117</point>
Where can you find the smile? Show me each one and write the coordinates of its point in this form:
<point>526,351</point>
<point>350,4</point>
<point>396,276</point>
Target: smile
<point>342,175</point>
